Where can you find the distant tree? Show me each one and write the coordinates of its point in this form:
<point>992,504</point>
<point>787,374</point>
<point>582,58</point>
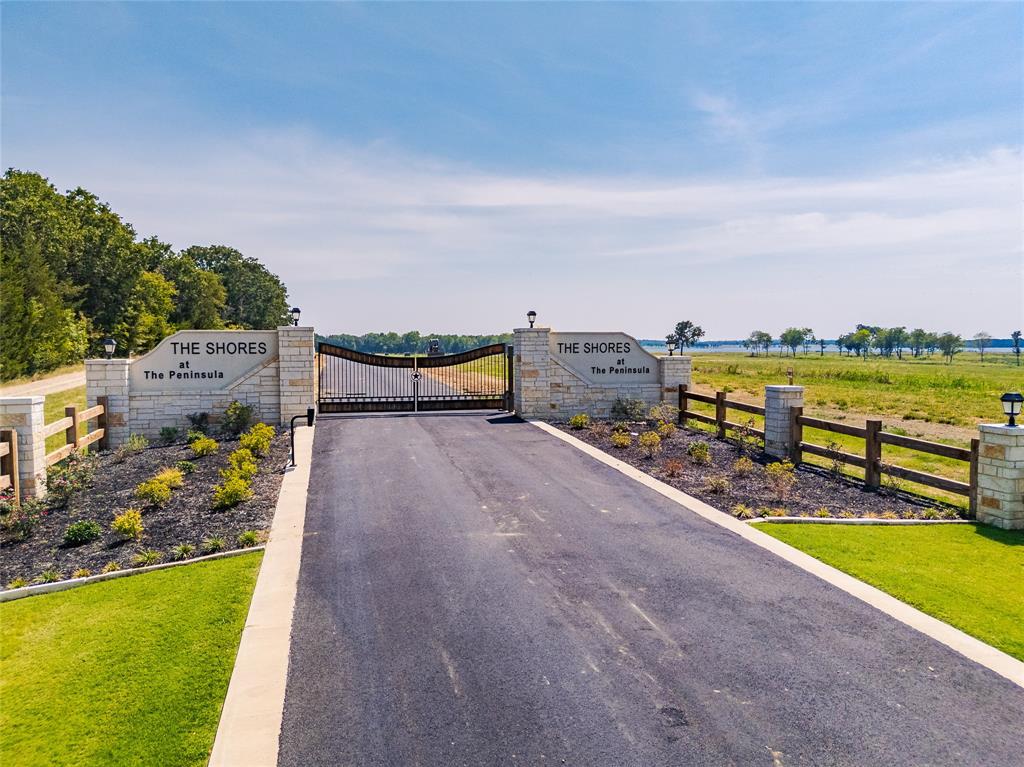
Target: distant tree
<point>932,343</point>
<point>982,341</point>
<point>862,341</point>
<point>823,343</point>
<point>809,340</point>
<point>949,344</point>
<point>791,338</point>
<point>917,341</point>
<point>1015,335</point>
<point>686,334</point>
<point>897,340</point>
<point>760,339</point>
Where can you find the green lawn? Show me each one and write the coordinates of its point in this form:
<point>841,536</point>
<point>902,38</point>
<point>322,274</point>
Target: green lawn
<point>127,672</point>
<point>969,576</point>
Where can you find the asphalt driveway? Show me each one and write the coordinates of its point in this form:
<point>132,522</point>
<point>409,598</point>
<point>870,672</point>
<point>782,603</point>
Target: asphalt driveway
<point>476,592</point>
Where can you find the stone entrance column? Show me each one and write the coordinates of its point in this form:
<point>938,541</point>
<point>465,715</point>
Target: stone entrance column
<point>1000,488</point>
<point>530,372</point>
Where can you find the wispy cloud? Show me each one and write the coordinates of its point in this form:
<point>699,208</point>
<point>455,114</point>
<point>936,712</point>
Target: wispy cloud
<point>370,234</point>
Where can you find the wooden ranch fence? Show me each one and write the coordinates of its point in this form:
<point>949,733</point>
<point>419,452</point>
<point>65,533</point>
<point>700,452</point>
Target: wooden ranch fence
<point>872,434</point>
<point>69,424</point>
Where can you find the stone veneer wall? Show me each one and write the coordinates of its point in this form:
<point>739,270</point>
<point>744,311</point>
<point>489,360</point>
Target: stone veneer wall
<point>25,416</point>
<point>544,388</point>
<point>1000,490</point>
<point>276,391</point>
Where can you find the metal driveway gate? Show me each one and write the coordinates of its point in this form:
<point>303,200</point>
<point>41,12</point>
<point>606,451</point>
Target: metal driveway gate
<point>357,382</point>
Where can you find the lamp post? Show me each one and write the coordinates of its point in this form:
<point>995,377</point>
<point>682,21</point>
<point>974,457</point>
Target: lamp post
<point>1012,402</point>
<point>109,344</point>
<point>671,345</point>
<point>531,316</point>
<point>296,311</point>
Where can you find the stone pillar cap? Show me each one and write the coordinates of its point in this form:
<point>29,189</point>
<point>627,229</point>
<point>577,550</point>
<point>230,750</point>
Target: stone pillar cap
<point>1002,428</point>
<point>33,399</point>
<point>783,387</point>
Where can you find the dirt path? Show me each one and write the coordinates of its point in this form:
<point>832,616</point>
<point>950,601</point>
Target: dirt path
<point>45,386</point>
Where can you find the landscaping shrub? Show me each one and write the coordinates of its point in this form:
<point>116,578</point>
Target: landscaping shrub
<point>193,435</point>
<point>776,512</point>
<point>231,492</point>
<point>930,514</point>
<point>153,492</point>
<point>743,467</point>
<point>204,446</point>
<point>579,421</point>
<point>744,436</point>
<point>135,444</point>
<point>846,515</point>
<point>629,409</point>
<point>168,434</point>
<point>111,567</point>
<point>257,439</point>
<point>673,467</point>
<point>147,557</point>
<point>716,485</point>
<point>81,572</point>
<point>68,477</point>
<point>780,478</point>
<point>742,511</point>
<point>172,477</point>
<point>600,429</point>
<point>185,467</point>
<point>199,422</point>
<point>20,519</point>
<point>823,512</point>
<point>49,576</point>
<point>620,426</point>
<point>128,524</point>
<point>650,442</point>
<point>666,429</point>
<point>237,418</point>
<point>621,439</point>
<point>663,412</point>
<point>83,531</point>
<point>699,452</point>
<point>213,545</point>
<point>248,539</point>
<point>241,463</point>
<point>182,551</point>
<point>17,583</point>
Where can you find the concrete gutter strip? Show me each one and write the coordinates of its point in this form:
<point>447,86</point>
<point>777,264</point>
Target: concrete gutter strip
<point>250,722</point>
<point>47,588</point>
<point>995,660</point>
<point>856,521</point>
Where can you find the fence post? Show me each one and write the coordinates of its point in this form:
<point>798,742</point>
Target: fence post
<point>720,413</point>
<point>872,454</point>
<point>71,433</point>
<point>682,405</point>
<point>973,478</point>
<point>101,423</point>
<point>9,462</point>
<point>796,434</point>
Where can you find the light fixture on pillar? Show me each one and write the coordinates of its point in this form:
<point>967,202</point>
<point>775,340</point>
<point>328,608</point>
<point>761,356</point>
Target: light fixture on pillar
<point>296,311</point>
<point>671,347</point>
<point>1012,402</point>
<point>109,344</point>
<point>531,316</point>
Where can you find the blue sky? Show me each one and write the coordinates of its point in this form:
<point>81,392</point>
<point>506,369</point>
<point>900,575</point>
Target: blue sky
<point>448,166</point>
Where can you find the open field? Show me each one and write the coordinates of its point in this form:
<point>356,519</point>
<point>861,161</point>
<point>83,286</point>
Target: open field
<point>53,410</point>
<point>130,672</point>
<point>919,398</point>
<point>969,576</point>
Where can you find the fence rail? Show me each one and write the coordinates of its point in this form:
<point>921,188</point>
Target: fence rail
<point>9,461</point>
<point>722,406</point>
<point>70,423</point>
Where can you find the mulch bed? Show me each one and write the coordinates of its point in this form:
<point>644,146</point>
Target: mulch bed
<point>813,490</point>
<point>187,518</point>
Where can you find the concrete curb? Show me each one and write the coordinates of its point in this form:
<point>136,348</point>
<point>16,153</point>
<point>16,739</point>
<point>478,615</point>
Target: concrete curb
<point>860,521</point>
<point>250,721</point>
<point>74,583</point>
<point>995,660</point>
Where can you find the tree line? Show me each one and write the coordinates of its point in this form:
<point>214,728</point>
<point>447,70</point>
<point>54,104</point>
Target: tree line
<point>414,342</point>
<point>72,273</point>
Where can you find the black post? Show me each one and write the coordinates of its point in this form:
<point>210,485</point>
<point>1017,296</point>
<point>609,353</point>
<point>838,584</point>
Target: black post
<point>310,415</point>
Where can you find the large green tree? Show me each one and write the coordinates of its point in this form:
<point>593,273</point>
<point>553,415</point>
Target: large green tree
<point>256,298</point>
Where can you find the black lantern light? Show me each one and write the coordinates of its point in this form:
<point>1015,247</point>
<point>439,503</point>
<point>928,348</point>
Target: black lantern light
<point>531,316</point>
<point>109,344</point>
<point>671,347</point>
<point>296,311</point>
<point>1012,402</point>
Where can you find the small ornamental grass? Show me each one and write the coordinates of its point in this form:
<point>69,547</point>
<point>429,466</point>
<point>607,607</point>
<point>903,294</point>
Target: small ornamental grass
<point>49,576</point>
<point>742,511</point>
<point>621,439</point>
<point>212,545</point>
<point>822,513</point>
<point>146,558</point>
<point>111,567</point>
<point>182,551</point>
<point>81,572</point>
<point>249,538</point>
<point>128,524</point>
<point>135,444</point>
<point>204,446</point>
<point>82,532</point>
<point>743,467</point>
<point>17,583</point>
<point>257,440</point>
<point>579,421</point>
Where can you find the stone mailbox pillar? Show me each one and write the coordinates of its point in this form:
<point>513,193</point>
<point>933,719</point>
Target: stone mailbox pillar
<point>673,371</point>
<point>25,416</point>
<point>530,371</point>
<point>777,402</point>
<point>1000,489</point>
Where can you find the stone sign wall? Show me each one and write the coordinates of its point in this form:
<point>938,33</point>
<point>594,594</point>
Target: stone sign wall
<point>202,371</point>
<point>558,375</point>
